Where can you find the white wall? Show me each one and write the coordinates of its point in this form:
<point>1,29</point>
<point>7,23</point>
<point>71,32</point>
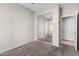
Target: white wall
<point>56,18</point>
<point>6,35</point>
<point>16,26</point>
<point>23,25</point>
<point>69,9</point>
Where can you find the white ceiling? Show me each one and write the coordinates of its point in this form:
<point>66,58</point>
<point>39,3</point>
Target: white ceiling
<point>37,7</point>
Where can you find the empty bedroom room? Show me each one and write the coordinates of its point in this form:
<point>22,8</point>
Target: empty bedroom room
<point>39,29</point>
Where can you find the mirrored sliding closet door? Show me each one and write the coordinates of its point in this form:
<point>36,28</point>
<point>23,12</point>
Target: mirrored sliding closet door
<point>44,27</point>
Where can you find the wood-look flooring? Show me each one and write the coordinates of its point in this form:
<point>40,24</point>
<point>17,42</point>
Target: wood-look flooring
<point>37,48</point>
<point>46,39</point>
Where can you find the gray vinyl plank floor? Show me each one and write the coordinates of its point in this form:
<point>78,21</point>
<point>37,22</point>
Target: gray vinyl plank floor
<point>37,48</point>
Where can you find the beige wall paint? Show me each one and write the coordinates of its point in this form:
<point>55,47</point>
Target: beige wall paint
<point>16,26</point>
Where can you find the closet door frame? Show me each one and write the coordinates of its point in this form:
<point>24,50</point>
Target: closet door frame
<point>75,31</point>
